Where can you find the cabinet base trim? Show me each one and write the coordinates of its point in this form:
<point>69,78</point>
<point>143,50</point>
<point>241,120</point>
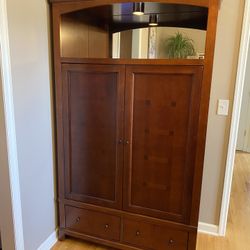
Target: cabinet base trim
<point>208,229</point>
<point>99,240</point>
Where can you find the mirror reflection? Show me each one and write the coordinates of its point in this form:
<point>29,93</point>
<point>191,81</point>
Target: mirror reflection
<point>133,30</point>
<point>159,43</point>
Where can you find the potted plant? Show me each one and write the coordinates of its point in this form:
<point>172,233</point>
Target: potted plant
<point>179,46</point>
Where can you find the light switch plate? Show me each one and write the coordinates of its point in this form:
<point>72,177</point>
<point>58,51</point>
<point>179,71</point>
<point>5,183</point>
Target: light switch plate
<point>223,107</point>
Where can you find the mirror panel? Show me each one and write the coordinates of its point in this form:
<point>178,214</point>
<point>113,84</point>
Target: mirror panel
<point>153,43</point>
<point>114,31</point>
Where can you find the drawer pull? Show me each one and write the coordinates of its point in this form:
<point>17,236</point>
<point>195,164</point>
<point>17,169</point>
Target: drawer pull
<point>78,219</point>
<point>137,233</point>
<point>106,226</point>
<point>171,241</point>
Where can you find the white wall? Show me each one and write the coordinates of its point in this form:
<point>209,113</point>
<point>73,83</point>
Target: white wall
<point>29,48</point>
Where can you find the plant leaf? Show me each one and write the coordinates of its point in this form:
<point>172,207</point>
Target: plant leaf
<point>179,46</point>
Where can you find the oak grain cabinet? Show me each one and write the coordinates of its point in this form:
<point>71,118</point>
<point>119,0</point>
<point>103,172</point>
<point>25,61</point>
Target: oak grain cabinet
<point>130,132</point>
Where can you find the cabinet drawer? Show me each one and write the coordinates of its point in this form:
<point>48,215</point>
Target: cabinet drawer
<point>93,223</point>
<point>151,236</point>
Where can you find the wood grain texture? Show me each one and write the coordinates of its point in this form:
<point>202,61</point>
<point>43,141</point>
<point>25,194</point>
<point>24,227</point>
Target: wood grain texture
<point>70,5</point>
<point>131,216</point>
<point>93,126</point>
<point>238,222</point>
<point>74,38</point>
<point>123,232</point>
<point>57,93</point>
<point>161,120</point>
<point>184,62</point>
<point>151,236</point>
<point>94,223</point>
<point>106,195</point>
<point>80,39</point>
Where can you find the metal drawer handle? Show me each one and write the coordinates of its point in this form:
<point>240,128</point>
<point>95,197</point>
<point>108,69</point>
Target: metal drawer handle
<point>171,241</point>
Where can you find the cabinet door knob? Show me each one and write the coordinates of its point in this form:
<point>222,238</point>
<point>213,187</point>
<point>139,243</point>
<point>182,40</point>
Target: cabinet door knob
<point>126,142</point>
<point>137,233</point>
<point>171,241</point>
<point>120,141</point>
<point>78,219</point>
<point>106,226</point>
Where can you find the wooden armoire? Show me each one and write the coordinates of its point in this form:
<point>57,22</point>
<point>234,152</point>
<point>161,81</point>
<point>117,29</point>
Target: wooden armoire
<point>130,133</point>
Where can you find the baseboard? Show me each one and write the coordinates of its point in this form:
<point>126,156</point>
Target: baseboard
<point>208,229</point>
<point>49,242</point>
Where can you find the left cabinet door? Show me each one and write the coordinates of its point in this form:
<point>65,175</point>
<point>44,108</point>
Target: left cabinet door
<point>93,107</point>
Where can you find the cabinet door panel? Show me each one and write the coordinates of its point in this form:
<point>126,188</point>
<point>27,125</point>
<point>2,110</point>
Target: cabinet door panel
<point>161,119</point>
<point>92,113</point>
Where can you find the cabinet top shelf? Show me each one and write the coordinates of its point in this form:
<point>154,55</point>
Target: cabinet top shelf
<point>134,61</point>
<point>118,16</point>
<point>204,3</point>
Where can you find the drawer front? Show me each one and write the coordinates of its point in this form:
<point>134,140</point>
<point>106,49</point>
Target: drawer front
<point>93,223</point>
<point>151,236</point>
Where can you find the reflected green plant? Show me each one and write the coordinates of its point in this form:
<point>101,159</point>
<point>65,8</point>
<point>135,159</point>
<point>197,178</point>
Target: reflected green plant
<point>179,46</point>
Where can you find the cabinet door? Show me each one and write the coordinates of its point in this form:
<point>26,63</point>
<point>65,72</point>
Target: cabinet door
<point>93,107</point>
<point>161,123</point>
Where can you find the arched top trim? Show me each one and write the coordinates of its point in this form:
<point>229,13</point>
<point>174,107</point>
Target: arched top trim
<point>66,6</point>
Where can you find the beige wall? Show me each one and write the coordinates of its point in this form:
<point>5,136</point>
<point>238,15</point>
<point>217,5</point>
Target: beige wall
<point>30,65</point>
<point>140,43</point>
<point>243,141</point>
<point>224,74</point>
